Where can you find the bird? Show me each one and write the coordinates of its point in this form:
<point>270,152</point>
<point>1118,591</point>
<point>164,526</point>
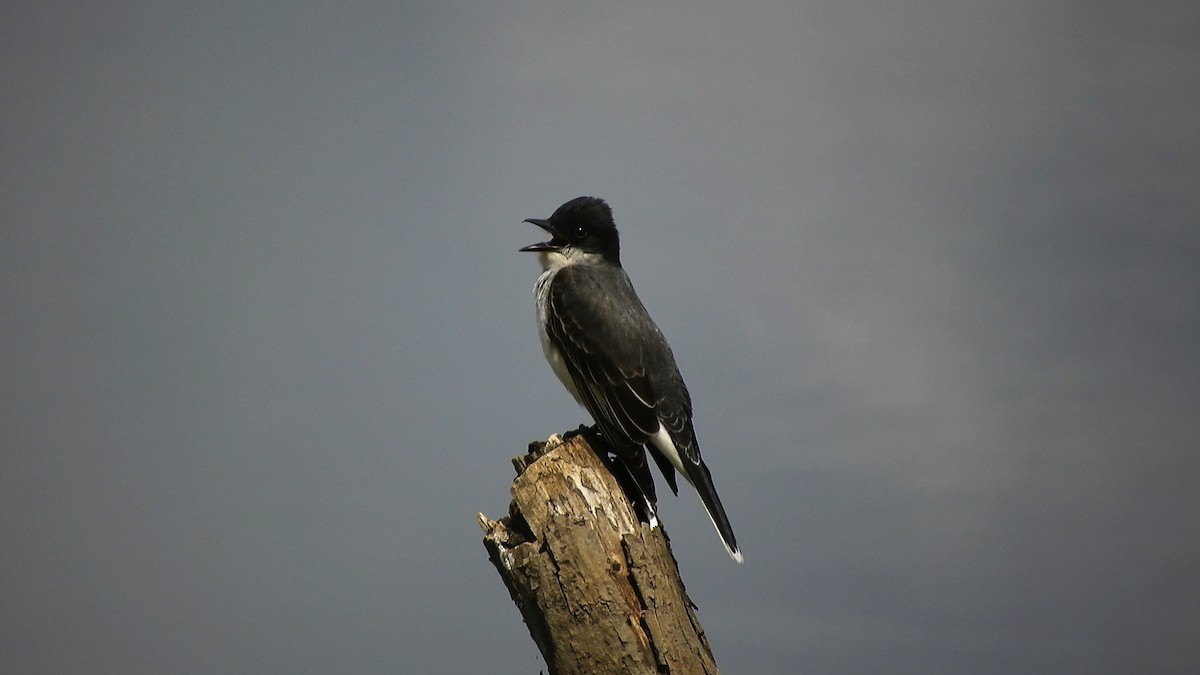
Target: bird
<point>612,358</point>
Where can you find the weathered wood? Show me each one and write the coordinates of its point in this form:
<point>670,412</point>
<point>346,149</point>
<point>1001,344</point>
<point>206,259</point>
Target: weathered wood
<point>599,590</point>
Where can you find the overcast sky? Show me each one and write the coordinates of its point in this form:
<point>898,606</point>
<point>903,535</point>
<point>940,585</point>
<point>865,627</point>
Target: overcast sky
<point>930,270</point>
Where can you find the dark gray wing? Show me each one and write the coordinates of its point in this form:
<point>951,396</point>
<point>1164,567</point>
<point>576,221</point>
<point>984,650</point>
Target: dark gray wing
<point>616,357</point>
<point>599,325</point>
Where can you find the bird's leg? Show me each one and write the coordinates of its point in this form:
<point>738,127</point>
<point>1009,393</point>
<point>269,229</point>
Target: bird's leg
<point>582,430</point>
<point>642,502</point>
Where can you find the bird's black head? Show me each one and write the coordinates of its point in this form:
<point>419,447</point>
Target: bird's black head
<point>584,224</point>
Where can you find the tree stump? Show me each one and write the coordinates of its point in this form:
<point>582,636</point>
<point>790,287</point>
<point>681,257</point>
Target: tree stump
<point>599,590</point>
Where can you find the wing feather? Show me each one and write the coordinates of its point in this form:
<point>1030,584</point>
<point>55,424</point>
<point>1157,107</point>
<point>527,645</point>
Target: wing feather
<point>620,396</point>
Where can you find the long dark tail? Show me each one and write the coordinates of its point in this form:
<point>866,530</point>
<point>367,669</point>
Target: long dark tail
<point>701,479</point>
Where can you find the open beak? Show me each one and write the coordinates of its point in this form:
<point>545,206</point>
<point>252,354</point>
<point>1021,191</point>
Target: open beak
<point>553,245</point>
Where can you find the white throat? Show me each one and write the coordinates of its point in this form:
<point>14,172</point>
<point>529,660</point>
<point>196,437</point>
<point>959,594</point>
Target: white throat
<point>556,260</point>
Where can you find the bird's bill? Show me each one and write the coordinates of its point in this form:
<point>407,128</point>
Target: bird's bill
<point>553,245</point>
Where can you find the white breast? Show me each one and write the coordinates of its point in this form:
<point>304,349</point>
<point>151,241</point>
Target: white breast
<point>541,291</point>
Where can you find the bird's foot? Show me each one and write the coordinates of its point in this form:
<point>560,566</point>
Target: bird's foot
<point>583,430</point>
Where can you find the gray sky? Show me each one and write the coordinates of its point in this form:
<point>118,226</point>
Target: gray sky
<point>930,270</point>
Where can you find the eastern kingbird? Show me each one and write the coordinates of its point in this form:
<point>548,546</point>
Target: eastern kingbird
<point>609,354</point>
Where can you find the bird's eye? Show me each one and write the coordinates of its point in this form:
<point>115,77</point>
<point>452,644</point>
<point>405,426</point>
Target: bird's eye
<point>581,232</point>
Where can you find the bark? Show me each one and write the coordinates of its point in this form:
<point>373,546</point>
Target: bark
<point>599,590</point>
